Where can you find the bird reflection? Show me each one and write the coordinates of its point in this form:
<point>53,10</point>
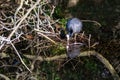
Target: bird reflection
<point>73,50</point>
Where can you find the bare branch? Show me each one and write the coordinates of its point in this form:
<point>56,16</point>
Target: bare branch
<point>82,54</point>
<point>5,77</point>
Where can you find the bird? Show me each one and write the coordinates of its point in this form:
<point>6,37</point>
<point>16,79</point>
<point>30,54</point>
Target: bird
<point>73,27</point>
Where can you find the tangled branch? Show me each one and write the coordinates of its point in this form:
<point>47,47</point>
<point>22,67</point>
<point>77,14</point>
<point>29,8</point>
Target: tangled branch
<point>24,21</point>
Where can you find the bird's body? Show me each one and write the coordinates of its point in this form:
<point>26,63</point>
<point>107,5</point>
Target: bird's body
<point>73,26</point>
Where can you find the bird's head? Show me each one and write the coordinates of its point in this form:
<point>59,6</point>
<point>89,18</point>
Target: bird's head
<point>62,33</point>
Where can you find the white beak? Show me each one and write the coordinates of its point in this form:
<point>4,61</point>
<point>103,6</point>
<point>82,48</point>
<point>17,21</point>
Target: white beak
<point>68,37</point>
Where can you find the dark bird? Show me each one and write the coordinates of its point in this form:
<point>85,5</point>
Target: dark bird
<point>73,27</point>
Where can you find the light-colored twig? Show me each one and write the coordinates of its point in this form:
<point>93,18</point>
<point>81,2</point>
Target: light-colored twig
<point>5,77</point>
<point>22,19</point>
<point>45,36</point>
<point>18,25</point>
<point>89,40</point>
<point>20,57</point>
<point>92,22</point>
<point>20,6</point>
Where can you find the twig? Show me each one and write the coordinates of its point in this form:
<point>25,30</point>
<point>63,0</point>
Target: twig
<point>5,77</point>
<point>89,41</point>
<point>45,36</point>
<point>20,58</point>
<point>25,16</point>
<point>52,10</point>
<point>20,6</point>
<point>18,25</point>
<point>92,21</point>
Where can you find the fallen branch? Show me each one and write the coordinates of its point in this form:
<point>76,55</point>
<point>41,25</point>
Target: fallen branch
<point>97,23</point>
<point>86,53</point>
<point>3,76</point>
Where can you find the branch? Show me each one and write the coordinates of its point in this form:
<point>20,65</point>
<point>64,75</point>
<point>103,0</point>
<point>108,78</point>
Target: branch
<point>18,25</point>
<point>5,77</point>
<point>20,57</point>
<point>86,53</point>
<point>45,36</point>
<point>23,18</point>
<point>92,21</point>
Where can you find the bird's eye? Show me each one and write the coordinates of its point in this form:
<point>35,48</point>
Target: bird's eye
<point>71,31</point>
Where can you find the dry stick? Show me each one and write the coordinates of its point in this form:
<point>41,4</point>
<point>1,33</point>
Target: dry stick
<point>92,21</point>
<point>20,58</point>
<point>5,77</point>
<point>53,10</point>
<point>85,53</point>
<point>45,36</point>
<point>20,6</point>
<point>23,18</point>
<point>89,41</point>
<point>12,33</point>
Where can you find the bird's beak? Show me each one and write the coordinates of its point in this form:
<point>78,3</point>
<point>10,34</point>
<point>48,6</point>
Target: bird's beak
<point>68,37</point>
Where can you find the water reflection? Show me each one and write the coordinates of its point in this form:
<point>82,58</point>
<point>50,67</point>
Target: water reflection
<point>73,50</point>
